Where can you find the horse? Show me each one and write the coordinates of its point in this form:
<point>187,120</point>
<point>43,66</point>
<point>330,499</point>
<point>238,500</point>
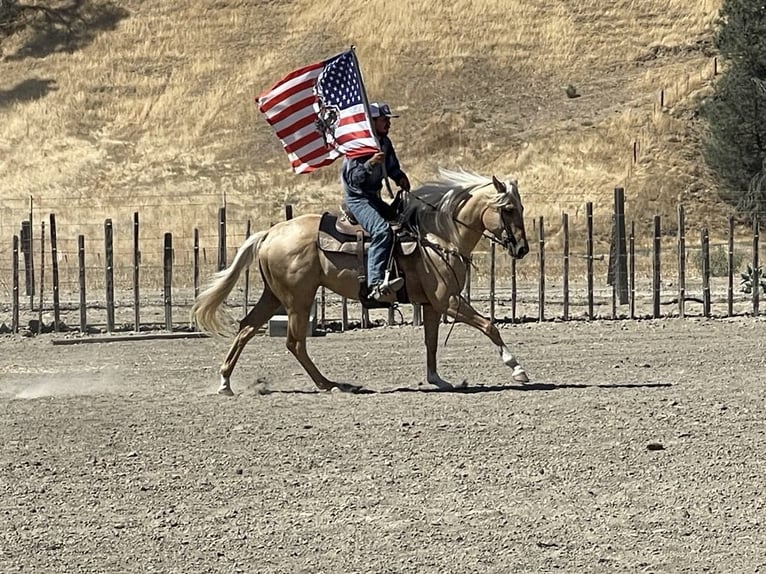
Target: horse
<point>449,217</point>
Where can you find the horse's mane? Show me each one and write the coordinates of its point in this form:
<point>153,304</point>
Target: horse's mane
<point>431,207</point>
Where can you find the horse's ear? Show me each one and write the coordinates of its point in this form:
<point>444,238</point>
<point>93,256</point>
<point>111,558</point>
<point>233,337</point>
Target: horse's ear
<point>499,185</point>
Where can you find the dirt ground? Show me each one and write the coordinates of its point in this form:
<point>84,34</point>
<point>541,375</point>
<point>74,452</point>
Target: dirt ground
<point>639,446</point>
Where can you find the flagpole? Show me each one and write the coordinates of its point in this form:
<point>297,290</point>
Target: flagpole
<point>366,103</point>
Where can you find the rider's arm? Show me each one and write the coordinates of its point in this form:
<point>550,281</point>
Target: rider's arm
<point>358,171</point>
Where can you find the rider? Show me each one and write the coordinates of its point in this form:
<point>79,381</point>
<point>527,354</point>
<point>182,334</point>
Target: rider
<point>362,180</point>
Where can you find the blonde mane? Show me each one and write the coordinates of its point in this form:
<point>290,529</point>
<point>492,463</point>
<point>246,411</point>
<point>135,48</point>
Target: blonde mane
<point>432,207</point>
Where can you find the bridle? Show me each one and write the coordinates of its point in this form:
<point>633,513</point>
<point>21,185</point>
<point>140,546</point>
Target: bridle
<point>507,238</point>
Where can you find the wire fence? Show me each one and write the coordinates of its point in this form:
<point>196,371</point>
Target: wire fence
<point>127,273</point>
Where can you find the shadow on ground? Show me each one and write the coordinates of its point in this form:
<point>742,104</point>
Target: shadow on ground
<point>263,389</point>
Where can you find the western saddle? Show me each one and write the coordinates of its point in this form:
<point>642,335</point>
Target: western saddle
<point>343,234</point>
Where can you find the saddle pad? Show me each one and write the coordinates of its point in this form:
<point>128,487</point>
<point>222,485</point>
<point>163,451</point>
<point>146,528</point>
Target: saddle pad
<point>331,240</point>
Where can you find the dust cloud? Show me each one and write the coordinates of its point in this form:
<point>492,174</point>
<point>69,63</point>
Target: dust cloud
<point>38,387</point>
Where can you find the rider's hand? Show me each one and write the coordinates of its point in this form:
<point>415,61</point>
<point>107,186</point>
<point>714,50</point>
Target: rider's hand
<point>404,183</point>
<point>377,158</point>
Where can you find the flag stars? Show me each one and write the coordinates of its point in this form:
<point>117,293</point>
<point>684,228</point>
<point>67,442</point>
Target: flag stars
<point>338,83</point>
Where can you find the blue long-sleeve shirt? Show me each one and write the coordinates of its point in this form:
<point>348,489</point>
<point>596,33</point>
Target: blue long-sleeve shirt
<point>359,177</point>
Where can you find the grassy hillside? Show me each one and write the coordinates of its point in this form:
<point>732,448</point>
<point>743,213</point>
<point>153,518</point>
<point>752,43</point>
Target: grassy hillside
<point>153,110</point>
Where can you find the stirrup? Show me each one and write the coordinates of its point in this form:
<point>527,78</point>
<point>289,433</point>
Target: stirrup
<point>389,284</point>
<point>382,294</point>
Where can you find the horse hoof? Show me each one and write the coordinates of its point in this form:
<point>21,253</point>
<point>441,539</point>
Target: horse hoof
<point>520,376</point>
<point>348,388</point>
<point>441,384</point>
<point>226,392</point>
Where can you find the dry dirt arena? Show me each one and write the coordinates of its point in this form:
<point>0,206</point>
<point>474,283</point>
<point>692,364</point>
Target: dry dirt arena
<point>639,446</point>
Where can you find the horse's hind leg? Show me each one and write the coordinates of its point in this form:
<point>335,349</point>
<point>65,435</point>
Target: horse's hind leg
<point>262,311</point>
<point>461,310</point>
<point>297,324</point>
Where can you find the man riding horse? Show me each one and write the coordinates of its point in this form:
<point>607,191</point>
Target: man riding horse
<point>362,181</point>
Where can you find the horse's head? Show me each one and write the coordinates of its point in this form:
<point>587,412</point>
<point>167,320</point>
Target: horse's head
<point>504,218</point>
<point>463,206</point>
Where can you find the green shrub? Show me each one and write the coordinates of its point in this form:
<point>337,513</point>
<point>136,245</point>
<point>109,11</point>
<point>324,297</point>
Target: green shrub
<point>719,261</point>
<point>752,277</point>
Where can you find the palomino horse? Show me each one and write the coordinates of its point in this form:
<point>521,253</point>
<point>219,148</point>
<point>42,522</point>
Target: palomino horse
<point>449,217</point>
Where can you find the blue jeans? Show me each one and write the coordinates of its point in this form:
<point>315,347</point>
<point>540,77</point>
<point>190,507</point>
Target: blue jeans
<point>381,235</point>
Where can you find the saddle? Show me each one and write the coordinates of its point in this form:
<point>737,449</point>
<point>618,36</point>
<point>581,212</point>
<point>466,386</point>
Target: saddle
<point>342,234</point>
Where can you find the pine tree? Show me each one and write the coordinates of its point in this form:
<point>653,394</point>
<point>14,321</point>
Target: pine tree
<point>735,148</point>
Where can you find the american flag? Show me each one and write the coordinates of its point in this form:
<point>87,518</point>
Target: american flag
<point>318,113</point>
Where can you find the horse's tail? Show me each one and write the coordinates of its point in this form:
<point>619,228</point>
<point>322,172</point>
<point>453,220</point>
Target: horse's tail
<point>204,312</point>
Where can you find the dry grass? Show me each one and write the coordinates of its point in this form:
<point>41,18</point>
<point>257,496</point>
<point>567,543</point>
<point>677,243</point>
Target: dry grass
<point>157,115</point>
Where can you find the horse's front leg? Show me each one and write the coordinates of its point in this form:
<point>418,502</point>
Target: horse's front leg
<point>460,310</point>
<point>431,320</point>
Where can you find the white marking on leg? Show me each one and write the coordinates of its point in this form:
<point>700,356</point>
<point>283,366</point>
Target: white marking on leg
<point>225,387</point>
<point>508,357</point>
<point>519,374</point>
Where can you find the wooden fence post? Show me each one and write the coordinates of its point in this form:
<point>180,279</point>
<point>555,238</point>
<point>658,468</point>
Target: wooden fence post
<point>541,260</point>
<point>565,228</point>
<point>632,269</point>
<point>681,262</point>
<point>27,251</point>
<point>81,275</point>
<point>621,268</point>
<point>221,238</point>
<point>705,245</point>
<point>167,283</point>
<point>136,275</point>
<point>55,278</point>
<point>589,255</point>
<point>730,269</point>
<point>756,268</point>
<point>514,289</point>
<point>656,268</point>
<point>417,315</point>
<point>195,263</point>
<point>322,305</point>
<point>15,302</point>
<point>42,278</point>
<point>467,287</point>
<point>31,255</point>
<point>492,255</point>
<point>247,274</point>
<point>109,273</point>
